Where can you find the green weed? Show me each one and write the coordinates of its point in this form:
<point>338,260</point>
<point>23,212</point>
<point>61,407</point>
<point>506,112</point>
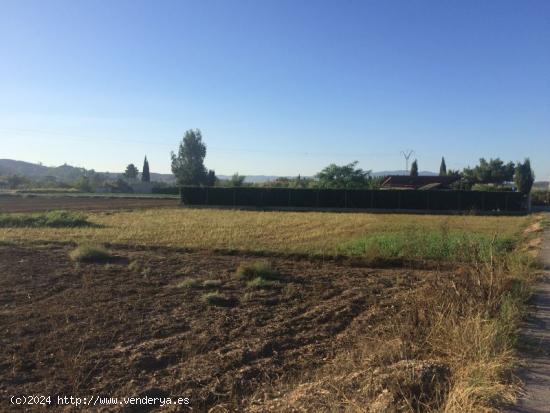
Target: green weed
<point>52,219</point>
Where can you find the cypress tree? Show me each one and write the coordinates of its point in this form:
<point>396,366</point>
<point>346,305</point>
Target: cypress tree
<point>145,176</point>
<point>414,168</point>
<point>524,177</point>
<point>443,167</point>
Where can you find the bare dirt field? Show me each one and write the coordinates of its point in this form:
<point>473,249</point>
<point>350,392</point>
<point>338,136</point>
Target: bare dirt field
<point>43,203</point>
<point>163,312</point>
<point>131,330</point>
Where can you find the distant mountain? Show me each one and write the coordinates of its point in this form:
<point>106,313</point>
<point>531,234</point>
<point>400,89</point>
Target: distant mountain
<point>64,173</point>
<point>11,167</point>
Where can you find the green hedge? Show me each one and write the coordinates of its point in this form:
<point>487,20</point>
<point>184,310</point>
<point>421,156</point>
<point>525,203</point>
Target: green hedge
<point>355,199</point>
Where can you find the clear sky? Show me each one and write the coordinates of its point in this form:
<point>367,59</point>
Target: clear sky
<point>277,87</point>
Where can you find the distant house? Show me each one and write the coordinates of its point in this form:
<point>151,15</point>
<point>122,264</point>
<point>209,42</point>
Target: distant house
<point>418,182</point>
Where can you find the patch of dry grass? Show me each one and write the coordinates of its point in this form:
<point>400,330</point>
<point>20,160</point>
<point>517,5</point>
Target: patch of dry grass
<point>90,253</point>
<point>287,232</point>
<point>256,269</point>
<point>447,348</point>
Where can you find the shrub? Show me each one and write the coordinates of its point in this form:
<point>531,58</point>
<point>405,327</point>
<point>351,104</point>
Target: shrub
<point>54,219</point>
<point>90,253</point>
<point>524,176</point>
<point>261,268</point>
<point>540,198</point>
<point>217,299</point>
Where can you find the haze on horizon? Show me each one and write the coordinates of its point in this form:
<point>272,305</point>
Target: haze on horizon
<point>277,87</point>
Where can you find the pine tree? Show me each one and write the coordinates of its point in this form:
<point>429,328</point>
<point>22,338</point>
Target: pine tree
<point>131,172</point>
<point>145,176</point>
<point>188,163</point>
<point>414,168</point>
<point>443,167</point>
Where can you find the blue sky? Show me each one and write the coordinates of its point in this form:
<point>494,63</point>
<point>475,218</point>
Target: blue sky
<point>277,87</point>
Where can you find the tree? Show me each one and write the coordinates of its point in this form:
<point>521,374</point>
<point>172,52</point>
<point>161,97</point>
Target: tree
<point>211,178</point>
<point>17,181</point>
<point>493,171</point>
<point>414,168</point>
<point>145,176</point>
<point>83,184</point>
<point>442,167</point>
<point>188,165</point>
<point>120,185</point>
<point>524,177</point>
<point>345,176</point>
<point>97,179</point>
<point>236,180</point>
<point>131,172</point>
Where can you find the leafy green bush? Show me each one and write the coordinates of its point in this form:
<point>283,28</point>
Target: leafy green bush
<point>492,187</point>
<point>54,219</point>
<point>90,253</point>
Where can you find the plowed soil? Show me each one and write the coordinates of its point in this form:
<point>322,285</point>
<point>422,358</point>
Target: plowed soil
<point>44,203</point>
<point>128,328</point>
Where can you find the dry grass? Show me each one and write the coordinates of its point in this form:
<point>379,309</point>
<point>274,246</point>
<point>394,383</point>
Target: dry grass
<point>256,269</point>
<point>218,299</point>
<point>90,253</point>
<point>293,232</point>
<point>447,348</point>
<point>189,283</point>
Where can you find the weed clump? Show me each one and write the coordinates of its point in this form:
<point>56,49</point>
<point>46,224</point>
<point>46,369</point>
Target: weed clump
<point>134,266</point>
<point>52,219</point>
<point>212,283</point>
<point>90,253</point>
<point>261,268</point>
<point>215,298</point>
<point>261,283</point>
<point>189,283</point>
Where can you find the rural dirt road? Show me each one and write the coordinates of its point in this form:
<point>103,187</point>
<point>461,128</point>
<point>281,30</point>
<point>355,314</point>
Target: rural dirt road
<point>536,339</point>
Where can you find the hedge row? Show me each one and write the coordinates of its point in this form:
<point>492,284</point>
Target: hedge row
<point>355,199</point>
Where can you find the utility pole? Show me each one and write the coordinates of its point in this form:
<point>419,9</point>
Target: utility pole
<point>407,154</point>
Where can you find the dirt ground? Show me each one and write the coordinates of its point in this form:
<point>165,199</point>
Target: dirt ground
<point>126,328</point>
<point>44,203</point>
